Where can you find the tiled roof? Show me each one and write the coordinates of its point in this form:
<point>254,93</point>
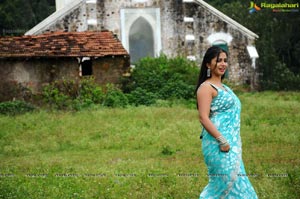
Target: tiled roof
<point>62,44</point>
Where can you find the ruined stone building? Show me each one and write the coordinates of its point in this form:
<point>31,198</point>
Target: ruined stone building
<point>151,27</point>
<point>33,61</point>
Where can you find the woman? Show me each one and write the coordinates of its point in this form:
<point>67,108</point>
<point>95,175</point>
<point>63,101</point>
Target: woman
<point>219,113</point>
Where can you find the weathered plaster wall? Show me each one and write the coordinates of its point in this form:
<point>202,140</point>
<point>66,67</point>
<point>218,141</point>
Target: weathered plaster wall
<point>76,21</point>
<point>110,69</point>
<point>35,73</point>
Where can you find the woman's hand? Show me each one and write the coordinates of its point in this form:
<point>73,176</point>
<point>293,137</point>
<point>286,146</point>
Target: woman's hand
<point>225,148</point>
<point>224,145</point>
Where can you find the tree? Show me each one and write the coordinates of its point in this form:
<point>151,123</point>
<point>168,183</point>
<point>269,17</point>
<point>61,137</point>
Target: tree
<point>18,16</point>
<point>278,44</point>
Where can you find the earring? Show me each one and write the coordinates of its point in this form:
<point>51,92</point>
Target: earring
<point>208,72</point>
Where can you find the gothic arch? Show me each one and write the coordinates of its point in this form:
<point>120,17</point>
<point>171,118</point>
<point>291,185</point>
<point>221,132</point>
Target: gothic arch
<point>141,40</point>
<point>219,38</point>
<point>151,16</point>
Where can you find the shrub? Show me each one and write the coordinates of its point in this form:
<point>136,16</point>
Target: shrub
<point>114,97</point>
<point>90,91</point>
<point>140,96</point>
<point>55,97</point>
<point>149,74</point>
<point>14,91</point>
<point>15,107</point>
<point>177,89</point>
<point>151,79</point>
<point>162,78</point>
<point>70,94</point>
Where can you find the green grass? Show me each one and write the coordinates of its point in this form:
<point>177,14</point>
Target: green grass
<point>144,152</point>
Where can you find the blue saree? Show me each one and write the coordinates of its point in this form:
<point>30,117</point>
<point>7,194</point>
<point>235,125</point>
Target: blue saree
<point>226,172</point>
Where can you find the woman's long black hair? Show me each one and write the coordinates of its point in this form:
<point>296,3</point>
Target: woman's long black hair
<point>211,53</point>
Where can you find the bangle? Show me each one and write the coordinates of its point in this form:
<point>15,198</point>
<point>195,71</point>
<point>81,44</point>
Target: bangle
<point>222,141</point>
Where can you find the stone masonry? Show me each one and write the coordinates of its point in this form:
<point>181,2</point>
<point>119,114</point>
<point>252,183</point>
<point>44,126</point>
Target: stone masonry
<point>180,28</point>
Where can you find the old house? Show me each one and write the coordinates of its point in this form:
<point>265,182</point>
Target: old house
<point>33,61</point>
<point>150,27</point>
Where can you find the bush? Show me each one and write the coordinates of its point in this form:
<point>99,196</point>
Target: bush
<point>70,94</point>
<point>149,74</point>
<point>15,107</point>
<point>13,90</point>
<point>161,78</point>
<point>114,97</point>
<point>140,96</point>
<point>152,79</point>
<point>55,96</point>
<point>90,92</point>
<point>177,89</point>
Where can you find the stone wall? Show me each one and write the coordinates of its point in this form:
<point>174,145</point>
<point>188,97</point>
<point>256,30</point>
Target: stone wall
<point>76,21</point>
<point>173,30</point>
<point>205,24</point>
<point>110,69</point>
<point>33,74</point>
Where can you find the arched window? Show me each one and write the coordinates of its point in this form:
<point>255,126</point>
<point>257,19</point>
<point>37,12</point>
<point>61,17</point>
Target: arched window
<point>141,40</point>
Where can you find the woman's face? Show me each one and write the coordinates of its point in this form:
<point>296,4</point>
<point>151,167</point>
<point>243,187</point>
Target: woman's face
<point>218,67</point>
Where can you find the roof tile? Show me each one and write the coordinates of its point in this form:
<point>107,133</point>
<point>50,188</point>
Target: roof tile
<point>62,44</point>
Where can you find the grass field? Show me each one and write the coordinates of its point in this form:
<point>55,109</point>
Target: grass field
<point>144,152</point>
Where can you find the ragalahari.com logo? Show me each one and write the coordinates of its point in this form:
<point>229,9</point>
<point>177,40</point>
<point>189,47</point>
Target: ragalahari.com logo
<point>275,7</point>
<point>253,7</point>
